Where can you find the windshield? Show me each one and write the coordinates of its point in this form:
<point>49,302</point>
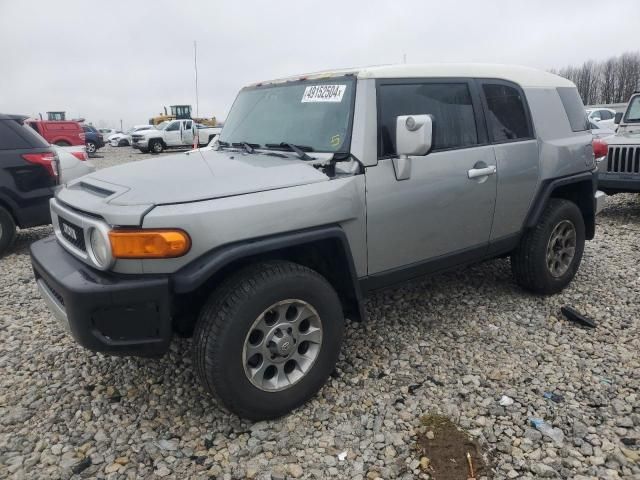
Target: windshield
<point>633,112</point>
<point>313,114</point>
<point>162,125</point>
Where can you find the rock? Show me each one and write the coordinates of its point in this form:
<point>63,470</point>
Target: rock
<point>543,471</point>
<point>162,471</point>
<point>114,467</point>
<point>170,445</point>
<point>295,470</point>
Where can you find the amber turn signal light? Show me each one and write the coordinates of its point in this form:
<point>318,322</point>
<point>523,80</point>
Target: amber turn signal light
<point>149,243</point>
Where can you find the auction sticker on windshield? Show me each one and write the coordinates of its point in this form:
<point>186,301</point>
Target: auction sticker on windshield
<point>323,93</point>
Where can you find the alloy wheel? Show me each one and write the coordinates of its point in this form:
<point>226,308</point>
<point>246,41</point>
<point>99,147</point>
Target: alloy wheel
<point>282,345</point>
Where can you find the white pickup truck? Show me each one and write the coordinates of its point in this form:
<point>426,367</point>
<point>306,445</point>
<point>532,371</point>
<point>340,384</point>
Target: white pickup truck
<point>173,134</point>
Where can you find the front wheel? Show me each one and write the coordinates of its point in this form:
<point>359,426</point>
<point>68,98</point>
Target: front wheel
<point>549,254</point>
<point>268,339</point>
<point>91,147</point>
<point>156,146</point>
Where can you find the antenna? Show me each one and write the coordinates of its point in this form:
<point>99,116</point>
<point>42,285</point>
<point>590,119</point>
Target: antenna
<point>195,66</point>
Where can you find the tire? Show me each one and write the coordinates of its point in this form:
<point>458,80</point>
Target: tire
<point>227,324</point>
<point>532,269</point>
<point>91,148</point>
<point>156,146</point>
<point>123,143</point>
<point>144,150</point>
<point>62,143</point>
<point>7,230</point>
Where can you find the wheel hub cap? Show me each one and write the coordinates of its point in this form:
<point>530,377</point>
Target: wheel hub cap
<point>282,345</point>
<point>561,248</point>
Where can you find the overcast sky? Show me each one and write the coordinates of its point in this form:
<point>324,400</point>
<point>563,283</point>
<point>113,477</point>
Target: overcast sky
<point>112,60</point>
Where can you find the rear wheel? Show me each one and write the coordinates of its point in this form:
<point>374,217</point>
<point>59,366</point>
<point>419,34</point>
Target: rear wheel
<point>62,143</point>
<point>549,254</point>
<point>156,146</point>
<point>7,230</point>
<point>268,339</point>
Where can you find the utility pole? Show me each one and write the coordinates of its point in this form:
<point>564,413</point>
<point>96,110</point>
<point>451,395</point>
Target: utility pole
<point>195,66</point>
<point>404,58</point>
<point>121,125</point>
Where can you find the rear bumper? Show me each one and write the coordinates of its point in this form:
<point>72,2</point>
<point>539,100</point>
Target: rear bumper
<point>103,312</point>
<point>601,201</point>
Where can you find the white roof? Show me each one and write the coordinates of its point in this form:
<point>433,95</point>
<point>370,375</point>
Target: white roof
<point>523,76</point>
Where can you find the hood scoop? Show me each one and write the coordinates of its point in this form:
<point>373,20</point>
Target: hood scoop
<point>101,192</point>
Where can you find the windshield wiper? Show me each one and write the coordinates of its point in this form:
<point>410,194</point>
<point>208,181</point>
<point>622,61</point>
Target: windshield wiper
<point>298,149</point>
<point>249,147</point>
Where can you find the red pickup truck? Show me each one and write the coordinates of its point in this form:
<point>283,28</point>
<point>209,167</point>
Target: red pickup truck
<point>62,133</point>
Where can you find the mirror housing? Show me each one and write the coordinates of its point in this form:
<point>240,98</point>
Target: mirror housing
<point>618,118</point>
<point>414,135</point>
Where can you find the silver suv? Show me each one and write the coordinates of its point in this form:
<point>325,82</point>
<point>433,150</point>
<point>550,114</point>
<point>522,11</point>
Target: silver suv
<point>320,189</point>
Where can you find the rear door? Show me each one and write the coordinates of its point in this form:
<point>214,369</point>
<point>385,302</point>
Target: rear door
<point>26,183</point>
<point>516,150</point>
<point>187,133</point>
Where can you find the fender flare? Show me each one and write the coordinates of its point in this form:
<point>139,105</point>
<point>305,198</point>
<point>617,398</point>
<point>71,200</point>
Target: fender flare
<point>194,275</point>
<point>546,191</point>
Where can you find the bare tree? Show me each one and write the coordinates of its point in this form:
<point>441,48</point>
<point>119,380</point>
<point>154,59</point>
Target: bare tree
<point>609,81</point>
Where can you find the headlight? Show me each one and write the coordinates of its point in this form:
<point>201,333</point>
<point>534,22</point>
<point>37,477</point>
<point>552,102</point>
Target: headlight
<point>100,248</point>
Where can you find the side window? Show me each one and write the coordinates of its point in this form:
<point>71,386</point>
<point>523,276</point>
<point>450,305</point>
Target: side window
<point>596,115</point>
<point>449,103</point>
<point>606,115</point>
<point>574,108</point>
<point>506,114</point>
<point>173,127</point>
<point>187,125</point>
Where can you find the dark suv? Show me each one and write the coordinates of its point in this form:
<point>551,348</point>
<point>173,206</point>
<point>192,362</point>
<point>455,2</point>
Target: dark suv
<point>28,173</point>
<point>92,139</point>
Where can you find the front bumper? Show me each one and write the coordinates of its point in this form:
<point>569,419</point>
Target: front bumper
<point>618,182</point>
<point>142,143</point>
<point>125,315</point>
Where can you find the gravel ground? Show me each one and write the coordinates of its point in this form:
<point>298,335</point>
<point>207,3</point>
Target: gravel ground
<point>452,345</point>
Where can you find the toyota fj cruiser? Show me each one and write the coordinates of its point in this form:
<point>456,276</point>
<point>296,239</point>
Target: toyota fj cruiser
<point>321,188</point>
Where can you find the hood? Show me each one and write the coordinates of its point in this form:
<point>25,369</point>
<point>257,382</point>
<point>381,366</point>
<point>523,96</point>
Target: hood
<point>627,135</point>
<point>198,175</point>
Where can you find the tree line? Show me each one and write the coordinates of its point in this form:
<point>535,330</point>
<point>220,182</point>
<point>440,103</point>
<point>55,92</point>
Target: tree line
<point>609,81</point>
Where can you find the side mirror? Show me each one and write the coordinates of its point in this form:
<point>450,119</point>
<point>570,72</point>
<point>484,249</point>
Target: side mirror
<point>414,135</point>
<point>618,118</point>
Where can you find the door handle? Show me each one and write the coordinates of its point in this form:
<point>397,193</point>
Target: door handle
<point>482,172</point>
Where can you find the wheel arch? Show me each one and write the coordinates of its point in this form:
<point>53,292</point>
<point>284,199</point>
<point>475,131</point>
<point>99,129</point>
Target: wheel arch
<point>579,189</point>
<point>325,250</point>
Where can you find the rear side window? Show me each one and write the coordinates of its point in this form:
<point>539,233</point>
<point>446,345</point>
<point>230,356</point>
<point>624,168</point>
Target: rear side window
<point>574,107</point>
<point>15,135</point>
<point>606,115</point>
<point>507,118</point>
<point>449,103</point>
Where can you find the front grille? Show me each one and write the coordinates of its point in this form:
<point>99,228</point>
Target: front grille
<point>623,159</point>
<point>136,138</point>
<point>72,234</point>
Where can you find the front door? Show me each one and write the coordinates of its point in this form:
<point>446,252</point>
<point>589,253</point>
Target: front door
<point>173,133</point>
<point>442,207</point>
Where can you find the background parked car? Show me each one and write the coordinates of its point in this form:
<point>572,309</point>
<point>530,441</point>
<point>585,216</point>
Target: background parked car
<point>603,116</point>
<point>28,174</point>
<point>124,139</point>
<point>107,132</point>
<point>59,133</point>
<point>93,139</point>
<point>600,131</point>
<point>73,163</point>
